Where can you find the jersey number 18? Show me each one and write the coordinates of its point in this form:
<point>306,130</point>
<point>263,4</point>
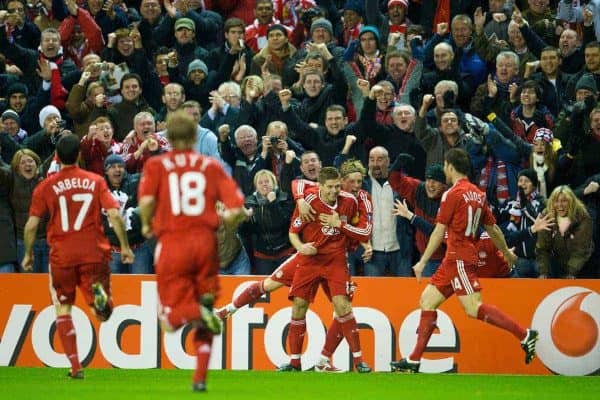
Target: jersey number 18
<point>187,193</point>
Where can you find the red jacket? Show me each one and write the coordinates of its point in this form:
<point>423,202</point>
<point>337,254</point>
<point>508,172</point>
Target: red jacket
<point>94,42</point>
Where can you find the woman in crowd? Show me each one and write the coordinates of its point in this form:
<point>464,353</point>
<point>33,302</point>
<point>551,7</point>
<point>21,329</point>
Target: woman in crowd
<point>269,223</point>
<point>20,180</point>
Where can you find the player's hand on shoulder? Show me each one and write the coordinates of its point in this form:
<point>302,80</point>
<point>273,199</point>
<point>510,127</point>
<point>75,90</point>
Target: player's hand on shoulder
<point>307,213</point>
<point>308,249</point>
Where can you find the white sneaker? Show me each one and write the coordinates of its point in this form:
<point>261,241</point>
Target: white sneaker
<point>327,367</point>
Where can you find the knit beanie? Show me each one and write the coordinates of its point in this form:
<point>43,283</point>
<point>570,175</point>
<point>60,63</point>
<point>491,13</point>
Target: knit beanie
<point>357,6</point>
<point>373,30</point>
<point>46,112</point>
<point>277,27</point>
<point>435,172</point>
<point>112,160</point>
<point>588,82</point>
<point>10,114</point>
<point>322,23</point>
<point>544,134</point>
<point>530,174</point>
<point>401,3</point>
<point>197,65</point>
<point>17,87</point>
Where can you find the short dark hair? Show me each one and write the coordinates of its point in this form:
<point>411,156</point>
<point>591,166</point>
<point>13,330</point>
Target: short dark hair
<point>551,48</point>
<point>593,45</point>
<point>67,149</point>
<point>531,84</point>
<point>130,75</point>
<point>459,159</point>
<point>328,173</point>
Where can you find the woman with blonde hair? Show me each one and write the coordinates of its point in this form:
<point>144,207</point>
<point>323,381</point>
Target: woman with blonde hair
<point>20,180</point>
<point>562,251</point>
<point>271,213</point>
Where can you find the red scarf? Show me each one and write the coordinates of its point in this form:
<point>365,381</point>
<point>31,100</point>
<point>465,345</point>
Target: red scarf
<point>501,178</point>
<point>442,13</point>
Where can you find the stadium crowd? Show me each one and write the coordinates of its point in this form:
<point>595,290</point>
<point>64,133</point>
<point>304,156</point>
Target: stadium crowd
<point>281,88</point>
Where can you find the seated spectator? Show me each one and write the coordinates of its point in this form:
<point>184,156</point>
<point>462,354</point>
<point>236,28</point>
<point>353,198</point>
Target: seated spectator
<point>123,187</point>
<point>269,223</point>
<point>563,251</point>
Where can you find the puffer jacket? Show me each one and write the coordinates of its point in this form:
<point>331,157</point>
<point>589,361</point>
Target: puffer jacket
<point>20,191</point>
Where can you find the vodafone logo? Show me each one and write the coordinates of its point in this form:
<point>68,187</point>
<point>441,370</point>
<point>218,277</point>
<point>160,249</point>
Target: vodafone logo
<point>568,321</point>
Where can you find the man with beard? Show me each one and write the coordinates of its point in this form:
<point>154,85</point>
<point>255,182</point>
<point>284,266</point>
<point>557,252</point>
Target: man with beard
<point>173,97</point>
<point>397,137</point>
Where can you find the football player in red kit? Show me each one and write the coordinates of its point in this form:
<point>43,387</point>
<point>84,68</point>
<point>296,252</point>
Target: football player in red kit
<point>178,194</point>
<point>462,209</point>
<point>79,250</point>
<point>322,260</point>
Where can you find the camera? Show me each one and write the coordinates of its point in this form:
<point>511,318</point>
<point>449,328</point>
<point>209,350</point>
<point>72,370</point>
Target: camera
<point>274,140</point>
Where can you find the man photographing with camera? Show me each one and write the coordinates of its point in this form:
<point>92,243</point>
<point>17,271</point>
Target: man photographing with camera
<point>276,146</point>
<point>44,141</point>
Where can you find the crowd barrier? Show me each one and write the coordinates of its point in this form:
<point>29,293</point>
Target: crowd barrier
<point>566,313</point>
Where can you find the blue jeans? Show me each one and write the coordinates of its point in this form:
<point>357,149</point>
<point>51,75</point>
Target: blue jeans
<point>142,264</point>
<point>397,263</point>
<point>41,253</point>
<point>239,266</point>
<point>4,268</point>
<point>263,266</point>
<point>525,268</point>
<point>431,267</point>
<point>355,260</point>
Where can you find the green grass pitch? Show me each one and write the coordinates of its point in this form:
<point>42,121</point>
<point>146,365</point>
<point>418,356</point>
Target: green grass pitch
<point>110,384</point>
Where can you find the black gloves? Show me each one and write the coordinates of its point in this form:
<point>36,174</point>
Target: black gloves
<point>402,161</point>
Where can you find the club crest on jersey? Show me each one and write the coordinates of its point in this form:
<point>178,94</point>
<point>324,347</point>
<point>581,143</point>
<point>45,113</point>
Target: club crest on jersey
<point>297,223</point>
<point>329,230</point>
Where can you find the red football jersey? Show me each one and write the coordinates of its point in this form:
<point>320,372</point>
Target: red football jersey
<point>300,186</point>
<point>491,261</point>
<point>186,186</point>
<point>462,210</point>
<point>74,198</point>
<point>326,238</point>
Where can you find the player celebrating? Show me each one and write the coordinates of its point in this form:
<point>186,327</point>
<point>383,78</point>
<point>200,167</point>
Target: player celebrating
<point>462,209</point>
<point>178,194</point>
<point>79,251</point>
<point>322,259</point>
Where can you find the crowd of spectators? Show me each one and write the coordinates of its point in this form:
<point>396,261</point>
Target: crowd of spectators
<point>281,88</point>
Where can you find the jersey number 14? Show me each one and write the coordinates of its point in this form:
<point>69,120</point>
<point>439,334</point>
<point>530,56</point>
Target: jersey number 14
<point>472,221</point>
<point>187,193</point>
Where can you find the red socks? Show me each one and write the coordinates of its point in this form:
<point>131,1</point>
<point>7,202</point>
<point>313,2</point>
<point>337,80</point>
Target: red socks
<point>426,328</point>
<point>68,338</point>
<point>202,344</point>
<point>492,315</point>
<point>350,331</point>
<point>250,294</point>
<point>333,338</point>
<point>296,339</point>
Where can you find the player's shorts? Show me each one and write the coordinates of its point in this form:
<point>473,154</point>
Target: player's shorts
<point>186,269</point>
<point>63,282</point>
<point>285,272</point>
<point>456,276</point>
<point>330,270</point>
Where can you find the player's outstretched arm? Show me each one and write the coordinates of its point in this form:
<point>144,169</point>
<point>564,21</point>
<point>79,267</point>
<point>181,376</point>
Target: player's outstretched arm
<point>435,240</point>
<point>29,234</point>
<point>118,225</point>
<point>232,217</point>
<point>498,238</point>
<point>146,206</point>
